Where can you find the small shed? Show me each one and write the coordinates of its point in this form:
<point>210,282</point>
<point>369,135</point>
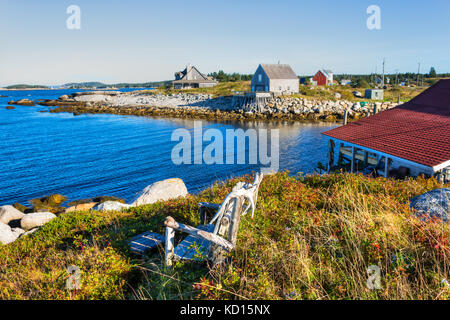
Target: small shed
<point>374,94</point>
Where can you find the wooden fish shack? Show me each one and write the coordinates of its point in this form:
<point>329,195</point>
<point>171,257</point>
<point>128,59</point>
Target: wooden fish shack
<point>408,140</point>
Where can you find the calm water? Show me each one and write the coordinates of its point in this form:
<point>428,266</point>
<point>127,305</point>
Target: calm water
<point>92,155</point>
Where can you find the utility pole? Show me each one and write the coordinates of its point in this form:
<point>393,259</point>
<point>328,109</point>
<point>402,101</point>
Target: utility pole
<point>382,81</point>
<point>418,75</point>
<point>396,77</point>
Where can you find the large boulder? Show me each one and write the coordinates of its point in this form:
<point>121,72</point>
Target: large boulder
<point>161,191</point>
<point>111,206</point>
<point>433,204</point>
<point>37,219</point>
<point>6,234</point>
<point>9,213</point>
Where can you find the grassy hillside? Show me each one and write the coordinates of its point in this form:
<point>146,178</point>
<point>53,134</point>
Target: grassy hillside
<point>308,92</point>
<point>221,89</point>
<point>391,94</point>
<point>311,238</point>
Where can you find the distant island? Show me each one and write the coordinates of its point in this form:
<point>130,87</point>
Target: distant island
<point>25,86</point>
<point>90,85</point>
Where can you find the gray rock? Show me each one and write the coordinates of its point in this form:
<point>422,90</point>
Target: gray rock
<point>9,213</point>
<point>433,204</point>
<point>337,95</point>
<point>30,232</point>
<point>6,234</point>
<point>356,106</point>
<point>111,206</point>
<point>37,219</point>
<point>161,191</point>
<point>17,231</point>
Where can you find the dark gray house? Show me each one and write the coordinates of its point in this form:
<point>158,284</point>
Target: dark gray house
<point>276,78</point>
<point>191,77</point>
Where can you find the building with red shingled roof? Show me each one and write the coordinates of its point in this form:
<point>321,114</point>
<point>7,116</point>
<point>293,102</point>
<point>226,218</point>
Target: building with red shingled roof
<point>415,135</point>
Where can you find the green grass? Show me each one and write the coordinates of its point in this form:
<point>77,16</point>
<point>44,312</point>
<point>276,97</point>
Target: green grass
<point>221,89</point>
<point>318,93</point>
<point>311,238</point>
<point>327,93</point>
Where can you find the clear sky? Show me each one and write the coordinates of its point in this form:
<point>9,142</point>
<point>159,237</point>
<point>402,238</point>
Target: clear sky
<point>146,40</point>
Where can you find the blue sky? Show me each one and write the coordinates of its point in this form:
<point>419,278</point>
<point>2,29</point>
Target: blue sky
<point>146,40</point>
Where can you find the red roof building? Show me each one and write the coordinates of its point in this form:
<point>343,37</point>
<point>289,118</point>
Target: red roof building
<point>323,77</point>
<point>415,134</point>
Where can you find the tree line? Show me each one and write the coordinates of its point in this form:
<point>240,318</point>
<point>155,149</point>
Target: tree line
<point>221,76</point>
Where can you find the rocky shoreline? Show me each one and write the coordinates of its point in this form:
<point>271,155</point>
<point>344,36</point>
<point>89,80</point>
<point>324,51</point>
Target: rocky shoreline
<point>202,106</point>
<point>17,220</point>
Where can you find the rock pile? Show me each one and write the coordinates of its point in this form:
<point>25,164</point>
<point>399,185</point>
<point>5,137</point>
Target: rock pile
<point>10,217</point>
<point>203,106</point>
<point>15,224</point>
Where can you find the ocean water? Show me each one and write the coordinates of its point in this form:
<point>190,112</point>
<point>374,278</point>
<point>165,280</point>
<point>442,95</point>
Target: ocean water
<point>92,155</point>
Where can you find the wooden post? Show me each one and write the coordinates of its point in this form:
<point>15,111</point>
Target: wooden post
<point>330,155</point>
<point>353,160</point>
<point>386,167</point>
<point>170,235</point>
<point>340,155</point>
<point>235,221</point>
<point>366,157</point>
<point>345,117</point>
<point>208,236</point>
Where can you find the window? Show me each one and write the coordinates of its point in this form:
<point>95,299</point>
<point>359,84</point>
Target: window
<point>259,77</point>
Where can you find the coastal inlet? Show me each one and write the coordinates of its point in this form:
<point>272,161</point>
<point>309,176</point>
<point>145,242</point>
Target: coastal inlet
<point>94,155</point>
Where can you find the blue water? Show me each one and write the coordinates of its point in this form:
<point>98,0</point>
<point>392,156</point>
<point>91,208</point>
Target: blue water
<point>93,155</point>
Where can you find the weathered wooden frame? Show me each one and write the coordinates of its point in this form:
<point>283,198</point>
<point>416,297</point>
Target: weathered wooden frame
<point>226,222</point>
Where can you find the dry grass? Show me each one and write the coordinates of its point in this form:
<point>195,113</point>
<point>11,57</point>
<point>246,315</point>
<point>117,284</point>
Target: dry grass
<point>312,238</point>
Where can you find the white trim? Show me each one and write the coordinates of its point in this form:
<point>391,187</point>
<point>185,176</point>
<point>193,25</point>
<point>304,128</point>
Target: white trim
<point>441,166</point>
<point>428,169</point>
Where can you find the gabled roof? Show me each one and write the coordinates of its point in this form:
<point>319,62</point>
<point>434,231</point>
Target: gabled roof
<point>418,130</point>
<point>279,71</point>
<point>327,73</point>
<point>182,75</point>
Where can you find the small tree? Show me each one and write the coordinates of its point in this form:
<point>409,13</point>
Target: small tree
<point>360,83</point>
<point>432,73</point>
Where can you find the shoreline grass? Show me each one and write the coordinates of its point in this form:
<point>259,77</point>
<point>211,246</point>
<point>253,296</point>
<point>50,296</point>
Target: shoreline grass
<point>312,238</point>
